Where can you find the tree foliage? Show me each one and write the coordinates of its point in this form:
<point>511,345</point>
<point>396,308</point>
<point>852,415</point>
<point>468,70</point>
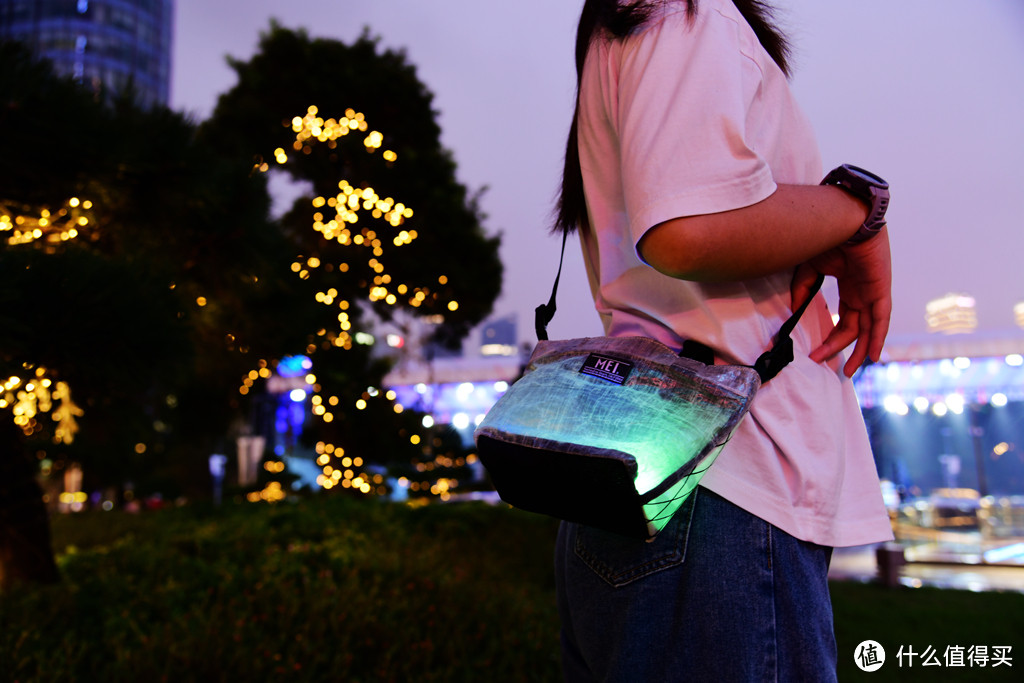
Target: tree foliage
<point>292,72</point>
<point>146,312</point>
<point>277,117</point>
<point>143,270</point>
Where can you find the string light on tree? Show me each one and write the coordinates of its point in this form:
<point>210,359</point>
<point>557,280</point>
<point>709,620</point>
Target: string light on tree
<point>46,226</point>
<point>347,205</point>
<point>365,223</point>
<point>29,398</point>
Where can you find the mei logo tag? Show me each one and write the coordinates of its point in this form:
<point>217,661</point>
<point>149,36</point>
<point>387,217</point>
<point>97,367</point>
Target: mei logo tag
<point>606,367</point>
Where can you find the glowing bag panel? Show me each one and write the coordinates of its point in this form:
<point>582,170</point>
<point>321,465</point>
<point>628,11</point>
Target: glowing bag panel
<point>611,432</point>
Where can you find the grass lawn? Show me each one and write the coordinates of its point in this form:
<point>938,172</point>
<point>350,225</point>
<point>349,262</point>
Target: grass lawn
<point>335,589</point>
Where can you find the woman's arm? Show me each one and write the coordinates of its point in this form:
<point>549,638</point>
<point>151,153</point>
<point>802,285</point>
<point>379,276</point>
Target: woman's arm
<point>794,224</point>
<point>798,225</point>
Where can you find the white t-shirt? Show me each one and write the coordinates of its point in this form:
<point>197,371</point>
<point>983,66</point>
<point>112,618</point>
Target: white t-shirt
<point>687,117</point>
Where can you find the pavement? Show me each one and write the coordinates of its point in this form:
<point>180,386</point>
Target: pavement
<point>936,569</point>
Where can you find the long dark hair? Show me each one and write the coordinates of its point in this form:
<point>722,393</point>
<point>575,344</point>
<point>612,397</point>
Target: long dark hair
<point>618,19</point>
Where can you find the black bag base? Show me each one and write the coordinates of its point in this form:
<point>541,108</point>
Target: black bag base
<point>587,489</point>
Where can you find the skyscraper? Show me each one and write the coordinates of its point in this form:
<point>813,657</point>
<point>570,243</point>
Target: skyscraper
<point>110,45</point>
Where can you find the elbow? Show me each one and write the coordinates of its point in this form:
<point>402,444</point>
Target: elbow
<point>675,248</point>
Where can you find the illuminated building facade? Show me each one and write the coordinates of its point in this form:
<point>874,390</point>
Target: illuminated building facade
<point>952,314</point>
<point>111,45</point>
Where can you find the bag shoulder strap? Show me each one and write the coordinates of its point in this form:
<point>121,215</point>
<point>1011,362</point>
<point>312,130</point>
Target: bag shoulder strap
<point>768,365</point>
<point>545,312</point>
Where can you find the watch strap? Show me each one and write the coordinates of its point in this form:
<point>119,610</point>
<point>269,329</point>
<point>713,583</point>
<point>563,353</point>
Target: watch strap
<point>866,187</point>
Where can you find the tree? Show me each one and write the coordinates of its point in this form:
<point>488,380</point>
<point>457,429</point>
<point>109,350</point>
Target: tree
<point>144,278</point>
<point>387,233</point>
<point>141,281</point>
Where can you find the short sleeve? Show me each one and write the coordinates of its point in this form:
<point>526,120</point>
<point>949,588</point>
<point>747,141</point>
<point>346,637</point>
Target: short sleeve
<point>684,92</point>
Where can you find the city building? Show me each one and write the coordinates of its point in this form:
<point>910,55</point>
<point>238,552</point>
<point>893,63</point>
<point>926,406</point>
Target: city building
<point>113,46</point>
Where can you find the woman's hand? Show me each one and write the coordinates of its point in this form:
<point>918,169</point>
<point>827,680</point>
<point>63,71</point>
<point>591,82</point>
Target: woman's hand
<point>864,274</point>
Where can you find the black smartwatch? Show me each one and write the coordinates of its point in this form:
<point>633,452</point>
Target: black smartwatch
<point>868,188</point>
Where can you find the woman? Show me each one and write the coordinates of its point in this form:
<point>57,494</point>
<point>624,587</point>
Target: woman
<point>693,179</point>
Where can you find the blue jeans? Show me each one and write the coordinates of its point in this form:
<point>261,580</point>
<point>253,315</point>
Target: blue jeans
<point>719,595</point>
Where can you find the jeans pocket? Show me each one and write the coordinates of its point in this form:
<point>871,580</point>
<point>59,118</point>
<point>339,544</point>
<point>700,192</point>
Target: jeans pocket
<point>620,560</point>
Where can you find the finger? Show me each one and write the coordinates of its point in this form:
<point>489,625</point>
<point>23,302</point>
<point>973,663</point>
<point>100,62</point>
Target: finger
<point>860,349</point>
<point>881,313</point>
<point>799,289</point>
<point>842,335</point>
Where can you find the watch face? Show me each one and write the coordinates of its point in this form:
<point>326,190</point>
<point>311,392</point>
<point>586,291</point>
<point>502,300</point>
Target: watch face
<point>866,175</point>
